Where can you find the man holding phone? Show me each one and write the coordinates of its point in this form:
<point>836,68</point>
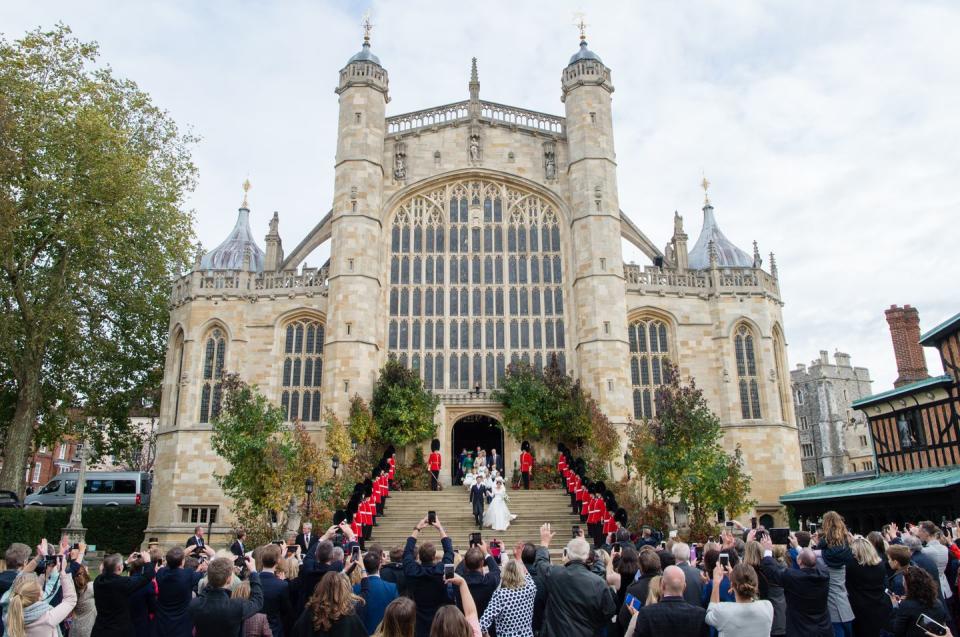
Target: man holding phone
<point>482,585</point>
<point>376,592</point>
<point>672,615</point>
<point>424,577</point>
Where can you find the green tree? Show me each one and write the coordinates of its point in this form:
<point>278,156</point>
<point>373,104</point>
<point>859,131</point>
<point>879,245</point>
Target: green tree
<point>92,181</point>
<point>401,407</point>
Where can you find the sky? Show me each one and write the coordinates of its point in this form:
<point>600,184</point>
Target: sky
<point>829,130</point>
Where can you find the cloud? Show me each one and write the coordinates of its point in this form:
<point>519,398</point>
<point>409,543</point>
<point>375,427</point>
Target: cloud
<point>828,129</point>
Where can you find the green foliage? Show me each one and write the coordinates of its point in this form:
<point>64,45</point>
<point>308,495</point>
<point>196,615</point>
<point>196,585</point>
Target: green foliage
<point>93,177</point>
<point>363,427</point>
<point>401,407</point>
<point>111,529</point>
<point>413,477</point>
<point>680,456</point>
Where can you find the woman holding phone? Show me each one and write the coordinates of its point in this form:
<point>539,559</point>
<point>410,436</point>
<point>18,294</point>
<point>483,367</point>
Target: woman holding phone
<point>747,616</point>
<point>921,598</point>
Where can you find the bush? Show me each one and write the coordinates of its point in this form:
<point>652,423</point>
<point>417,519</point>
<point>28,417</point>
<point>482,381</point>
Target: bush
<point>111,529</point>
<point>413,477</point>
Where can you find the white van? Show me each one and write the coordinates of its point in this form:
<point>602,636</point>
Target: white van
<point>102,488</point>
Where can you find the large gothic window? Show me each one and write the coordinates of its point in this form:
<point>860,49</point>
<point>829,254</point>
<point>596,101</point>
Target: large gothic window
<point>649,351</point>
<point>503,299</point>
<point>211,390</point>
<point>744,344</point>
<point>303,369</point>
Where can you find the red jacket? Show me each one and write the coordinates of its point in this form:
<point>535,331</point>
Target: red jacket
<point>393,467</point>
<point>435,461</point>
<point>526,462</point>
<point>609,524</point>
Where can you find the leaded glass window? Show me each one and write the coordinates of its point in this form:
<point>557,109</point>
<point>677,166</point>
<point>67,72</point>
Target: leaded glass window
<point>211,390</point>
<point>649,351</point>
<point>302,372</point>
<point>744,345</point>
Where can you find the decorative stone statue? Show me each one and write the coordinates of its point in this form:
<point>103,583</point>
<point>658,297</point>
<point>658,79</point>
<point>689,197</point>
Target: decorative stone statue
<point>475,147</point>
<point>550,164</point>
<point>399,165</point>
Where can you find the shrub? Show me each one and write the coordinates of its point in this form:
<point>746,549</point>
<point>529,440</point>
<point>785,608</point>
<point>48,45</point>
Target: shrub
<point>111,529</point>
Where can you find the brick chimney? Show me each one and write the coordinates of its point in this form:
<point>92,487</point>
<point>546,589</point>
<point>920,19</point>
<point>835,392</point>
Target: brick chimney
<point>905,331</point>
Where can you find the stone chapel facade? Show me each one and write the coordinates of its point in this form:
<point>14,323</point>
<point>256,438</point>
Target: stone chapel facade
<point>464,237</point>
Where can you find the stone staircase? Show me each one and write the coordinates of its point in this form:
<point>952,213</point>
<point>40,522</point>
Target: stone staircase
<point>532,508</point>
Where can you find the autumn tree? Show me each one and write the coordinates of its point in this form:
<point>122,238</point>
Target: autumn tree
<point>402,408</point>
<point>92,228</point>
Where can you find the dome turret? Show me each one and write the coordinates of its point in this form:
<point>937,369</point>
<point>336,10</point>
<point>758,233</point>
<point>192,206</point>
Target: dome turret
<point>711,238</point>
<point>230,254</point>
<point>584,53</point>
<point>365,54</point>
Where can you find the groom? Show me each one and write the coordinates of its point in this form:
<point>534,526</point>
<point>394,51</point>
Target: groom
<point>478,493</point>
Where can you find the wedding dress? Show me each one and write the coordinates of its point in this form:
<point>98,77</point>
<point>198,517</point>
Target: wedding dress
<point>469,480</point>
<point>498,516</point>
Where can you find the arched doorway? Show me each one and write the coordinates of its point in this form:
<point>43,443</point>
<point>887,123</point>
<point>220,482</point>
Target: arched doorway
<point>470,432</point>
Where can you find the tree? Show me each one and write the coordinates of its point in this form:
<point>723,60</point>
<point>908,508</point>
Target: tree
<point>92,181</point>
<point>679,453</point>
<point>401,407</point>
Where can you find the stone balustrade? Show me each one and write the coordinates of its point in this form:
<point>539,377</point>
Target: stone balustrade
<point>491,112</point>
<point>212,283</point>
<point>652,280</point>
<point>466,397</point>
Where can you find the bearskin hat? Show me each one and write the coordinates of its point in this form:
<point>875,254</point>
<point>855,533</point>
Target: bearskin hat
<point>600,487</point>
<point>621,516</point>
<point>525,446</point>
<point>384,466</point>
<point>435,445</point>
<point>391,450</point>
<point>339,517</point>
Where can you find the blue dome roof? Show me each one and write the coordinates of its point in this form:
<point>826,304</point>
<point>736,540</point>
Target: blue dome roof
<point>229,255</point>
<point>365,55</point>
<point>728,255</point>
<point>584,54</point>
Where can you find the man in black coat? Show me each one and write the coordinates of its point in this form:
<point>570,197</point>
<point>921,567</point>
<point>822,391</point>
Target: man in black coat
<point>579,602</point>
<point>672,615</point>
<point>481,585</point>
<point>214,612</point>
<point>393,571</point>
<point>317,564</point>
<point>805,589</point>
<point>175,586</point>
<point>649,568</point>
<point>238,548</point>
<point>307,540</point>
<point>197,538</point>
<point>276,592</point>
<point>528,555</point>
<point>111,594</point>
<point>478,497</point>
<point>495,461</point>
<point>425,578</point>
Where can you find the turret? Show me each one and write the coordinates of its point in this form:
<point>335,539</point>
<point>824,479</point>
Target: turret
<point>274,245</point>
<point>238,251</point>
<point>597,259</point>
<point>352,332</point>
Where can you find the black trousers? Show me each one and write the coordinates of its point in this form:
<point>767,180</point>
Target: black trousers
<point>525,477</point>
<point>434,480</point>
<point>596,532</point>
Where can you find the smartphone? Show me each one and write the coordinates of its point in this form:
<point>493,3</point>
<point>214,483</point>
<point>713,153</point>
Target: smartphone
<point>753,523</point>
<point>475,539</point>
<point>615,547</point>
<point>575,530</point>
<point>431,517</point>
<point>812,527</point>
<point>355,553</point>
<point>564,552</point>
<point>76,546</point>
<point>924,622</point>
<point>888,592</point>
<point>728,524</point>
<point>448,571</point>
<point>630,600</point>
<point>291,550</point>
<point>725,560</point>
<point>780,536</point>
<point>693,554</point>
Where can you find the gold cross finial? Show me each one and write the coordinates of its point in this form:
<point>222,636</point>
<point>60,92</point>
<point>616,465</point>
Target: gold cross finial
<point>580,23</point>
<point>246,189</point>
<point>706,187</point>
<point>367,26</point>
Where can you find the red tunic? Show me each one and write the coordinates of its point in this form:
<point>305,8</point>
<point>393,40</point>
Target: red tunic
<point>372,506</point>
<point>609,524</point>
<point>587,505</point>
<point>582,494</point>
<point>356,527</point>
<point>526,462</point>
<point>393,467</point>
<point>435,461</point>
<point>365,517</point>
<point>561,463</point>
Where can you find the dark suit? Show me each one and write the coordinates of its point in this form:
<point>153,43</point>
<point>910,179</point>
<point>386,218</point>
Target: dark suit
<point>276,603</point>
<point>238,549</point>
<point>216,614</point>
<point>311,572</point>
<point>806,591</point>
<point>638,589</point>
<point>495,463</point>
<point>377,594</point>
<point>691,594</point>
<point>306,549</point>
<point>195,541</point>
<point>903,622</point>
<point>481,586</point>
<point>478,495</point>
<point>671,616</point>
<point>111,594</point>
<point>425,583</point>
<point>393,573</point>
<point>175,590</point>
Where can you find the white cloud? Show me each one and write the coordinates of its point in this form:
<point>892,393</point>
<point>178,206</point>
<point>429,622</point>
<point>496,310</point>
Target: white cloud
<point>828,129</point>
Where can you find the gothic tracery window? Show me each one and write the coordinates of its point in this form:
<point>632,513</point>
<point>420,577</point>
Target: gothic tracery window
<point>649,351</point>
<point>303,369</point>
<point>504,261</point>
<point>744,344</point>
<point>211,391</point>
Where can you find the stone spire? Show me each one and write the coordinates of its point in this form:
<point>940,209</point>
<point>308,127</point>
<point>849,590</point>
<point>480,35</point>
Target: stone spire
<point>757,260</point>
<point>681,256</point>
<point>274,245</point>
<point>474,81</point>
<point>773,265</point>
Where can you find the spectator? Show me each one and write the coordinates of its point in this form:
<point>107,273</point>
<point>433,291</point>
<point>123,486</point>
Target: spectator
<point>640,588</point>
<point>16,557</point>
<point>921,597</point>
<point>451,622</point>
<point>174,592</point>
<point>214,612</point>
<point>898,559</point>
<point>393,571</point>
<point>836,554</point>
<point>681,556</point>
<point>425,579</point>
<point>578,602</point>
<point>196,540</point>
<point>481,584</point>
<point>529,558</point>
<point>803,541</point>
<point>623,539</point>
<point>866,580</point>
<point>753,555</point>
<point>320,562</point>
<point>653,591</point>
<point>258,625</point>
<point>306,539</point>
<point>30,615</point>
<point>710,560</point>
<point>918,558</point>
<point>375,592</point>
<point>646,538</point>
<point>622,570</point>
<point>399,619</point>
<point>748,616</point>
<point>276,591</point>
<point>238,548</point>
<point>85,611</point>
<point>143,602</point>
<point>672,615</point>
<point>806,589</point>
<point>112,592</point>
<point>512,605</point>
<point>331,611</point>
<point>937,551</point>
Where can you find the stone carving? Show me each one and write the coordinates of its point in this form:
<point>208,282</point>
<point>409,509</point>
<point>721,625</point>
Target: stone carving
<point>475,147</point>
<point>549,161</point>
<point>399,162</point>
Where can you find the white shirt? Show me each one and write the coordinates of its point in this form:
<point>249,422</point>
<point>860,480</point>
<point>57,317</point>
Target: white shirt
<point>753,619</point>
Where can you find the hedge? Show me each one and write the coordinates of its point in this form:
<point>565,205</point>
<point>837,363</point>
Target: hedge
<point>111,529</point>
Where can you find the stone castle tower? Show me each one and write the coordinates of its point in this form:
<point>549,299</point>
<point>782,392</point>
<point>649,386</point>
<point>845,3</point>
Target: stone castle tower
<point>463,238</point>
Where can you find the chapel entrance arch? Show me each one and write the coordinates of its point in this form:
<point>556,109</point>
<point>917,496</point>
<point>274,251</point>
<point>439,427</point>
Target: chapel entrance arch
<point>472,431</point>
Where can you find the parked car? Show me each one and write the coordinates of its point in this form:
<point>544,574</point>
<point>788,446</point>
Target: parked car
<point>9,500</point>
<point>102,488</point>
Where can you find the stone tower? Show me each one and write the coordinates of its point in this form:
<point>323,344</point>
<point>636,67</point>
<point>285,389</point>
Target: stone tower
<point>352,334</point>
<point>596,267</point>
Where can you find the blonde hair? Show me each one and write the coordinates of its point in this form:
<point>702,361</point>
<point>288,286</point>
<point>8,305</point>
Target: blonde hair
<point>602,556</point>
<point>864,552</point>
<point>513,575</point>
<point>26,592</point>
<point>654,594</point>
<point>753,553</point>
<point>291,567</point>
<point>780,553</point>
<point>242,591</point>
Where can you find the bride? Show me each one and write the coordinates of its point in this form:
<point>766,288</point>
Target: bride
<point>498,516</point>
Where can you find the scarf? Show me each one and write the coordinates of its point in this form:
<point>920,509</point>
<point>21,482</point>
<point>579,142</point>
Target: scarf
<point>33,612</point>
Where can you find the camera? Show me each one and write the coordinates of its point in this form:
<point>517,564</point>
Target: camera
<point>448,571</point>
<point>431,517</point>
<point>725,560</point>
<point>475,539</point>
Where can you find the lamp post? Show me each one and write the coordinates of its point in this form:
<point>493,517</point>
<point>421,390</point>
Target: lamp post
<point>308,487</point>
<point>626,463</point>
<point>336,465</point>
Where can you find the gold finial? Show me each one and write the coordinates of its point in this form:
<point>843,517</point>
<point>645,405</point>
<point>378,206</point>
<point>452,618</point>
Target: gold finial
<point>367,26</point>
<point>706,187</point>
<point>580,23</point>
<point>246,189</point>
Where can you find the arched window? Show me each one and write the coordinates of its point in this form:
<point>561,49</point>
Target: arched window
<point>303,368</point>
<point>744,345</point>
<point>211,390</point>
<point>649,351</point>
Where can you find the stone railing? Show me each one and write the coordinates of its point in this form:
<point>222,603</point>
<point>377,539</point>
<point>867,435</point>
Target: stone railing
<point>451,114</point>
<point>652,280</point>
<point>210,283</point>
<point>462,397</point>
